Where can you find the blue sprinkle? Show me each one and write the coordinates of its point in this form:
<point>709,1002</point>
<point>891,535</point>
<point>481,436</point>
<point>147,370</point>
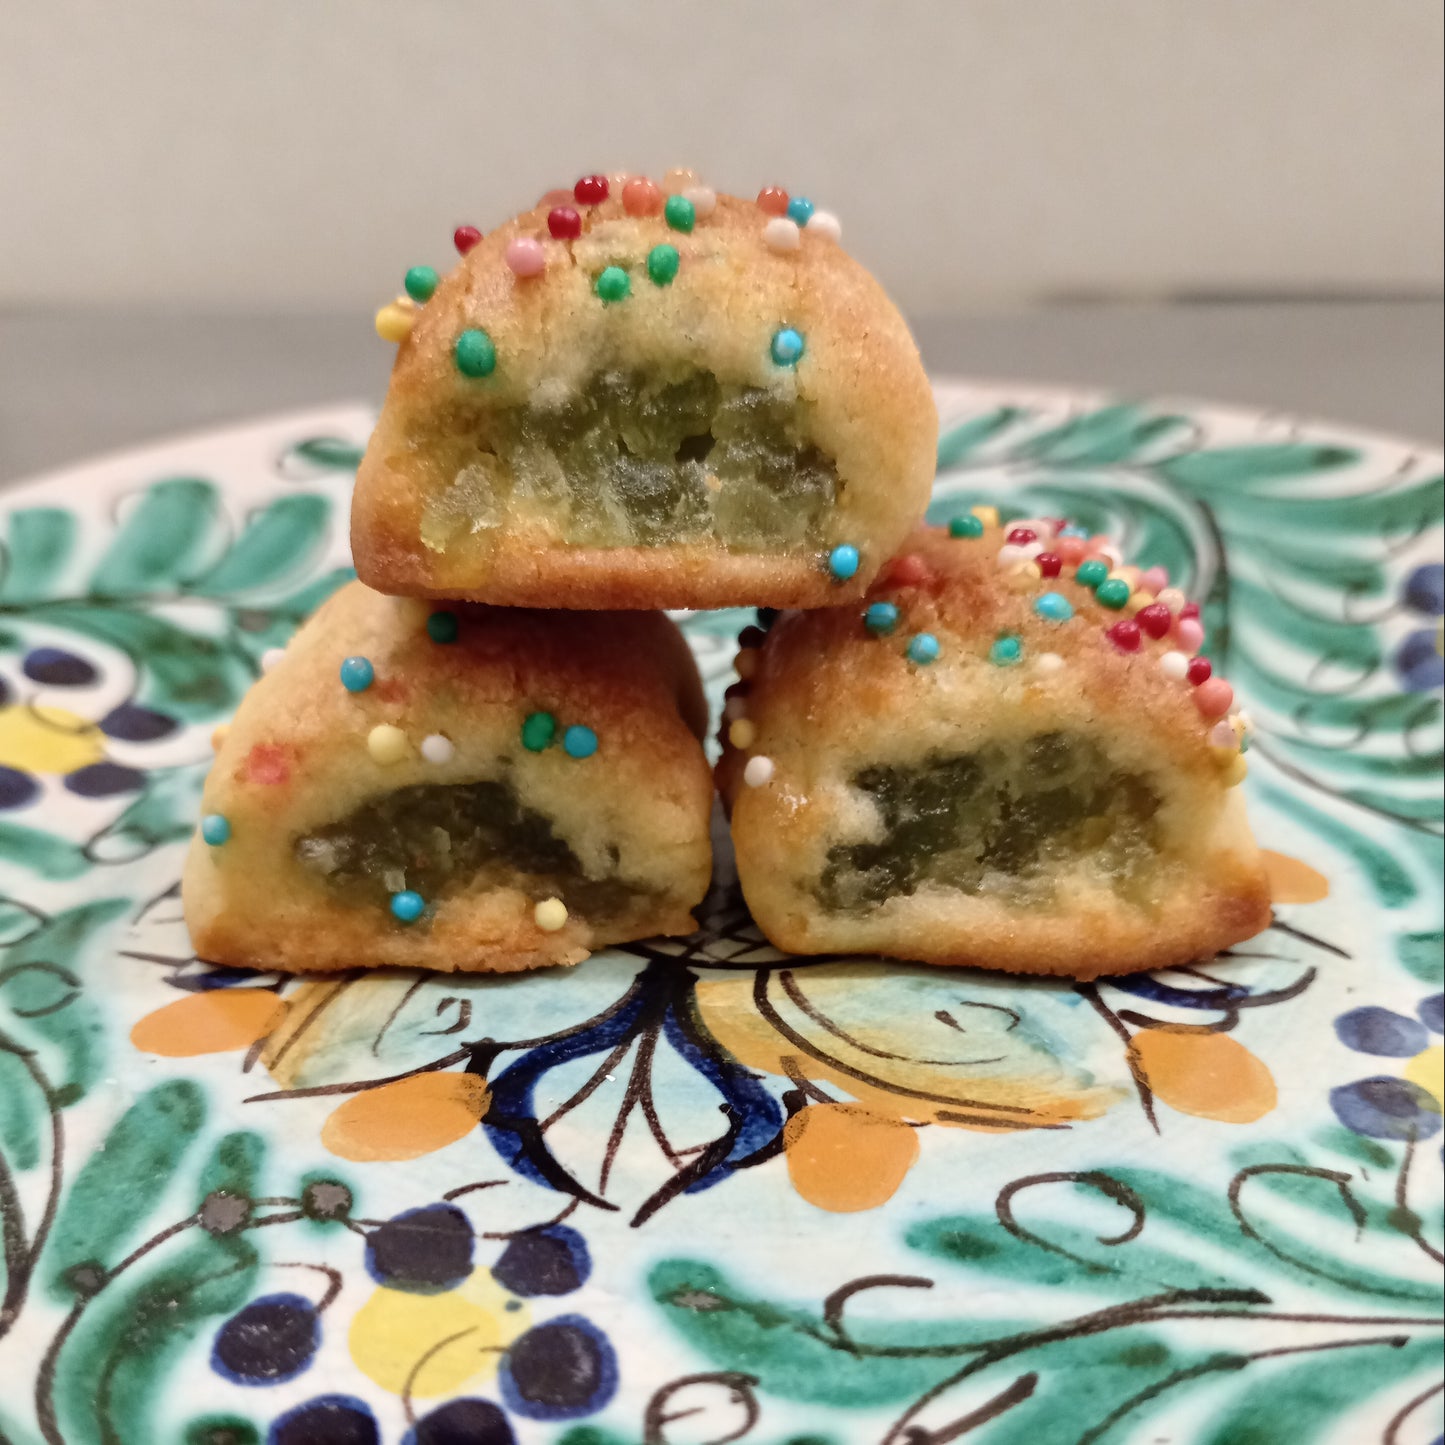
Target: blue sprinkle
<point>357,674</point>
<point>843,561</point>
<point>1072,529</point>
<point>881,617</point>
<point>923,648</point>
<point>787,346</point>
<point>1054,606</point>
<point>800,209</point>
<point>1006,651</point>
<point>579,742</point>
<point>216,829</point>
<point>407,907</point>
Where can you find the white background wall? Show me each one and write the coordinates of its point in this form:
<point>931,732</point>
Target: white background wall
<point>299,153</point>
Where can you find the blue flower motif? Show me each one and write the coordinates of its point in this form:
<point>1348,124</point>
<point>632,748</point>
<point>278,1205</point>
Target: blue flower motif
<point>1385,1107</point>
<point>1424,590</point>
<point>1418,662</point>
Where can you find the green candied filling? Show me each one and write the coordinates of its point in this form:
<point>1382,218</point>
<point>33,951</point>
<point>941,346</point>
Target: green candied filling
<point>641,458</point>
<point>999,820</point>
<point>436,838</point>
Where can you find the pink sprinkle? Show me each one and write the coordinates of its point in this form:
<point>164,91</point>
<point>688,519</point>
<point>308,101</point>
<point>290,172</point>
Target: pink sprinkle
<point>525,256</point>
<point>1190,632</point>
<point>1222,735</point>
<point>1155,580</point>
<point>1214,698</point>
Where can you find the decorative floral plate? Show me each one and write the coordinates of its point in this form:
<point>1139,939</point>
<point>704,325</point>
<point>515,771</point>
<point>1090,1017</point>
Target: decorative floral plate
<point>694,1192</point>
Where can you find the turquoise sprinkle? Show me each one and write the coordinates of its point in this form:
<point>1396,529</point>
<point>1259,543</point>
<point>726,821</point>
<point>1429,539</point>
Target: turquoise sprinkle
<point>614,284</point>
<point>1113,593</point>
<point>788,346</point>
<point>967,527</point>
<point>800,209</point>
<point>215,829</point>
<point>679,213</point>
<point>880,618</point>
<point>843,562</point>
<point>1072,529</point>
<point>1092,572</point>
<point>421,282</point>
<point>579,742</point>
<point>357,674</point>
<point>407,907</point>
<point>474,353</point>
<point>443,627</point>
<point>923,648</point>
<point>1053,606</point>
<point>1006,651</point>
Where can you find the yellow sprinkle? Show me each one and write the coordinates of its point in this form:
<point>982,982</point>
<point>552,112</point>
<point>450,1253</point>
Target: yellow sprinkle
<point>1137,602</point>
<point>1023,577</point>
<point>218,736</point>
<point>386,744</point>
<point>1235,771</point>
<point>743,733</point>
<point>394,321</point>
<point>746,663</point>
<point>1130,574</point>
<point>550,915</point>
<point>987,515</point>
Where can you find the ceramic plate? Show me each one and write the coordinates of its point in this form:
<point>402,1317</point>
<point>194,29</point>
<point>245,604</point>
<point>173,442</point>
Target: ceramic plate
<point>695,1192</point>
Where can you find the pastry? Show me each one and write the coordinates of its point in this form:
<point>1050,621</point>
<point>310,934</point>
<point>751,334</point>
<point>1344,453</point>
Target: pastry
<point>466,788</point>
<point>1008,756</point>
<point>640,395</point>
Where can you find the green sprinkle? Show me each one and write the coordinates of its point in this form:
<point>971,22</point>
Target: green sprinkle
<point>1006,651</point>
<point>969,527</point>
<point>421,282</point>
<point>1092,572</point>
<point>442,627</point>
<point>662,264</point>
<point>614,284</point>
<point>1113,593</point>
<point>680,213</point>
<point>474,353</point>
<point>538,731</point>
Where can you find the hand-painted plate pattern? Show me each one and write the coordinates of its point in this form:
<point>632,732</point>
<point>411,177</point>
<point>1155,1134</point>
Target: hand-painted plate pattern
<point>694,1192</point>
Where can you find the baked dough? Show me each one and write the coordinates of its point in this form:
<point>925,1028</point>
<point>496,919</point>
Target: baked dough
<point>543,446</point>
<point>425,783</point>
<point>1053,792</point>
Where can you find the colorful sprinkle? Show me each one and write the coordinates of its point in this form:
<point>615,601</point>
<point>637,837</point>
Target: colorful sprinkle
<point>1092,573</point>
<point>216,829</point>
<point>1223,735</point>
<point>1049,663</point>
<point>614,284</point>
<point>1172,598</point>
<point>538,731</point>
<point>563,223</point>
<point>1053,607</point>
<point>579,742</point>
<point>987,515</point>
<point>1174,665</point>
<point>1190,632</point>
<point>1006,650</point>
<point>745,664</point>
<point>1070,550</point>
<point>679,213</point>
<point>474,353</point>
<point>662,264</point>
<point>923,648</point>
<point>1190,609</point>
<point>1155,619</point>
<point>640,197</point>
<point>965,528</point>
<point>1022,536</point>
<point>1050,564</point>
<point>465,237</point>
<point>1072,529</point>
<point>825,224</point>
<point>1200,670</point>
<point>1154,580</point>
<point>1113,593</point>
<point>773,200</point>
<point>781,234</point>
<point>843,560</point>
<point>880,618</point>
<point>436,748</point>
<point>219,734</point>
<point>406,906</point>
<point>525,257</point>
<point>679,178</point>
<point>909,570</point>
<point>272,658</point>
<point>1125,635</point>
<point>704,200</point>
<point>421,283</point>
<point>443,627</point>
<point>759,771</point>
<point>550,915</point>
<point>743,734</point>
<point>787,346</point>
<point>1213,698</point>
<point>387,744</point>
<point>1236,772</point>
<point>800,210</point>
<point>394,321</point>
<point>1010,555</point>
<point>590,190</point>
<point>357,674</point>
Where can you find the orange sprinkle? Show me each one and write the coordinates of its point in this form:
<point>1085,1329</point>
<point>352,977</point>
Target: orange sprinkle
<point>209,1023</point>
<point>773,201</point>
<point>407,1118</point>
<point>845,1158</point>
<point>640,197</point>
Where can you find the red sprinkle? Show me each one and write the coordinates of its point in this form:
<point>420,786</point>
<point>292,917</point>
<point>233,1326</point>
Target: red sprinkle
<point>1156,619</point>
<point>465,237</point>
<point>590,190</point>
<point>1190,609</point>
<point>266,764</point>
<point>564,223</point>
<point>909,570</point>
<point>773,200</point>
<point>1050,564</point>
<point>1022,536</point>
<point>1125,635</point>
<point>1199,670</point>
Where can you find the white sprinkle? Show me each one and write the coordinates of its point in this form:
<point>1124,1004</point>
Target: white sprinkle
<point>271,657</point>
<point>437,749</point>
<point>1011,554</point>
<point>1172,598</point>
<point>1049,662</point>
<point>550,915</point>
<point>1111,554</point>
<point>781,234</point>
<point>1222,735</point>
<point>1174,665</point>
<point>704,200</point>
<point>825,223</point>
<point>758,772</point>
<point>1032,550</point>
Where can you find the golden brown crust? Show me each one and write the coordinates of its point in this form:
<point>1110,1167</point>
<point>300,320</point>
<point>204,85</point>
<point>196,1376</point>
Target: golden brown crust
<point>870,407</point>
<point>296,758</point>
<point>828,698</point>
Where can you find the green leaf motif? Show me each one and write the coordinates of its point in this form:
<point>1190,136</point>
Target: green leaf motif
<point>164,540</point>
<point>39,544</point>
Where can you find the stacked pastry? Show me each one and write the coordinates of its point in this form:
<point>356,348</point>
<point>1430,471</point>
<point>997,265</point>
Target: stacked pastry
<point>636,397</point>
